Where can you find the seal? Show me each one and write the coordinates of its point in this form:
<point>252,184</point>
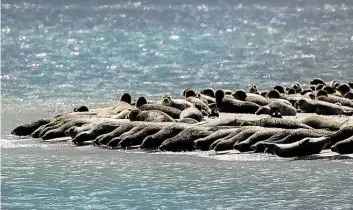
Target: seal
<point>279,88</point>
<point>334,99</point>
<point>253,89</point>
<point>208,92</point>
<point>283,108</point>
<point>94,132</point>
<point>61,131</point>
<point>114,142</point>
<point>276,123</point>
<point>228,144</point>
<point>204,143</point>
<point>27,129</point>
<point>343,89</point>
<point>184,140</point>
<point>74,130</point>
<point>297,87</point>
<point>180,104</point>
<point>231,135</point>
<point>317,81</point>
<point>137,138</point>
<point>193,113</point>
<point>167,132</point>
<point>304,147</point>
<point>105,138</point>
<point>291,91</point>
<point>245,146</point>
<point>141,104</point>
<point>190,96</point>
<point>232,105</point>
<point>299,134</point>
<point>123,104</point>
<point>321,107</point>
<point>320,122</point>
<point>81,109</point>
<point>251,97</point>
<point>349,95</point>
<point>344,146</point>
<point>187,120</point>
<point>350,84</point>
<point>149,116</point>
<point>341,134</point>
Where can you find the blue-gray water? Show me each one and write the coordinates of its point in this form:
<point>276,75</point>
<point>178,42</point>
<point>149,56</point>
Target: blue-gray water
<point>59,54</point>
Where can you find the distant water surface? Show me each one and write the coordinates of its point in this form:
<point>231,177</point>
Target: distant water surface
<point>60,54</point>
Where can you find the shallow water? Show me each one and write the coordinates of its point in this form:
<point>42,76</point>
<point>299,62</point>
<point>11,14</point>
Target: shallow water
<point>57,55</point>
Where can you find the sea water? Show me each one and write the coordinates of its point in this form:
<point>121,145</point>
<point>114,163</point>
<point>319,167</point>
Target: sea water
<point>60,54</point>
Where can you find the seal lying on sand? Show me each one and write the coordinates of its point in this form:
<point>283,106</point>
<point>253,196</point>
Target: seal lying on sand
<point>344,147</point>
<point>105,138</point>
<point>283,108</point>
<point>137,138</point>
<point>245,146</point>
<point>27,129</point>
<point>275,123</point>
<point>307,146</point>
<point>232,105</point>
<point>155,140</point>
<point>320,122</point>
<point>193,113</point>
<point>229,143</point>
<point>321,107</point>
<point>180,104</point>
<point>251,97</point>
<point>141,104</point>
<point>149,116</point>
<point>184,140</point>
<point>204,143</point>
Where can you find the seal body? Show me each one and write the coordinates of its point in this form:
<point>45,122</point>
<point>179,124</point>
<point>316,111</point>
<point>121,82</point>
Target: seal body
<point>149,116</point>
<point>307,146</point>
<point>344,147</point>
<point>192,113</point>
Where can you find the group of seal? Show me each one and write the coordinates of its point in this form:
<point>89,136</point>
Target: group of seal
<point>197,121</point>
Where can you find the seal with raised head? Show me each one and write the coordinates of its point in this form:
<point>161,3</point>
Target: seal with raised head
<point>180,104</point>
<point>123,104</point>
<point>232,105</point>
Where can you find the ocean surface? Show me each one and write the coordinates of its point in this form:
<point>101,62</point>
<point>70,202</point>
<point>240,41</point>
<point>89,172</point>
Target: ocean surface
<point>56,55</point>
